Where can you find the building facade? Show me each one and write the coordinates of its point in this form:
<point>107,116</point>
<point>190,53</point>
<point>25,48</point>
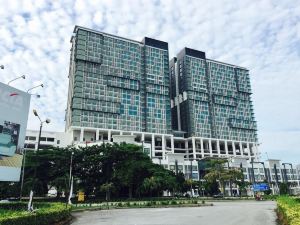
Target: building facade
<point>211,102</point>
<point>119,86</point>
<point>48,139</point>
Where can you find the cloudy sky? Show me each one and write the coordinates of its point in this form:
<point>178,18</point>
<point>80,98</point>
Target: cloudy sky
<point>262,35</point>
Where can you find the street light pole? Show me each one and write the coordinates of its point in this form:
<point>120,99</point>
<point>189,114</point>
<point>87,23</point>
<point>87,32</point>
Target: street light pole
<point>23,171</point>
<point>35,169</point>
<point>40,85</point>
<point>23,76</point>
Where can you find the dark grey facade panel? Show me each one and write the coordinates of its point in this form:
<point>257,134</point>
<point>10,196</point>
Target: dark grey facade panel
<point>195,53</point>
<point>155,43</point>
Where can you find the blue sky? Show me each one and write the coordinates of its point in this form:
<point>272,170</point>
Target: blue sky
<point>263,36</point>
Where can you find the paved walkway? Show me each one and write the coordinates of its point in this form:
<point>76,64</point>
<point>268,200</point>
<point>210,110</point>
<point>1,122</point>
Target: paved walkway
<point>222,213</point>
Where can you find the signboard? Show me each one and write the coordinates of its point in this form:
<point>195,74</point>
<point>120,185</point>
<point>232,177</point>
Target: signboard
<point>260,187</point>
<point>14,107</point>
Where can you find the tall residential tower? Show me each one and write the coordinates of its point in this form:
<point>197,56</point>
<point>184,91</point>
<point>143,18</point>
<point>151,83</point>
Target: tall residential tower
<point>211,102</point>
<point>191,106</point>
<point>117,84</point>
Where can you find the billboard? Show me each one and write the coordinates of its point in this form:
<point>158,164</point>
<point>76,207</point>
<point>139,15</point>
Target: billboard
<point>14,107</point>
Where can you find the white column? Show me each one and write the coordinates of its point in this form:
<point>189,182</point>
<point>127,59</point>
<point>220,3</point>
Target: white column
<point>153,145</point>
<point>172,143</point>
<point>81,134</point>
<point>249,151</point>
<point>186,146</point>
<point>226,148</point>
<point>233,148</point>
<point>97,135</point>
<point>241,149</point>
<point>202,148</point>
<point>109,135</point>
<point>163,146</point>
<point>194,147</point>
<point>143,137</point>
<point>210,147</point>
<point>121,132</point>
<point>218,148</point>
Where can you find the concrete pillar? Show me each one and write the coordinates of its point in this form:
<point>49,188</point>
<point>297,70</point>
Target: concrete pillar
<point>241,149</point>
<point>218,148</point>
<point>226,148</point>
<point>202,147</point>
<point>194,147</point>
<point>97,135</point>
<point>109,135</point>
<point>186,146</point>
<point>81,134</point>
<point>153,145</point>
<point>233,148</point>
<point>143,137</point>
<point>210,147</point>
<point>163,146</point>
<point>121,132</point>
<point>249,152</point>
<point>172,143</point>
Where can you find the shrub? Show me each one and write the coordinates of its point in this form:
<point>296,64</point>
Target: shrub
<point>288,210</point>
<point>46,213</point>
<point>173,202</point>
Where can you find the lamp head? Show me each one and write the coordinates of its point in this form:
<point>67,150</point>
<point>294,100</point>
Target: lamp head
<point>23,76</point>
<point>48,120</point>
<point>35,112</point>
<point>42,85</point>
<point>2,67</point>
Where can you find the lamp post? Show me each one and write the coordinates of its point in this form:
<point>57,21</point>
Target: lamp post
<point>285,175</point>
<point>35,169</point>
<point>23,77</point>
<point>40,85</point>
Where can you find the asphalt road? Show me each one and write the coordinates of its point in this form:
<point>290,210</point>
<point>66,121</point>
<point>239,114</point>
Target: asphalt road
<point>222,213</point>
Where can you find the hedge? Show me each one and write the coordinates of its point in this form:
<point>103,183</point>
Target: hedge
<point>288,210</point>
<point>44,214</point>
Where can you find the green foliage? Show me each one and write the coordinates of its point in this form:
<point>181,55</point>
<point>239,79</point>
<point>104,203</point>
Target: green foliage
<point>288,210</point>
<point>283,189</point>
<point>218,173</point>
<point>118,169</point>
<point>45,213</point>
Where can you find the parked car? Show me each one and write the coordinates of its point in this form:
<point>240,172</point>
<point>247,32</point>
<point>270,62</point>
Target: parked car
<point>220,195</point>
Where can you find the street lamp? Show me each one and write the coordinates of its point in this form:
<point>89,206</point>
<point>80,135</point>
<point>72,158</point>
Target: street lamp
<point>23,77</point>
<point>40,85</point>
<point>2,67</point>
<point>35,169</point>
<point>285,175</point>
<point>36,95</point>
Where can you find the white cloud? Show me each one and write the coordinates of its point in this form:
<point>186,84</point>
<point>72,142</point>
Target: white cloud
<point>260,35</point>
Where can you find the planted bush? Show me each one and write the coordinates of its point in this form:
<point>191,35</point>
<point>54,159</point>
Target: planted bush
<point>46,213</point>
<point>288,210</point>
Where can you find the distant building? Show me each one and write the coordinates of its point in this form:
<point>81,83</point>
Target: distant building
<point>48,139</point>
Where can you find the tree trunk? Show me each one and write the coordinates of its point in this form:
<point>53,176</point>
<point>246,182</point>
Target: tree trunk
<point>108,195</point>
<point>130,191</point>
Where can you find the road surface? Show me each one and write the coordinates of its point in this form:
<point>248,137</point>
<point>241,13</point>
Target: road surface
<point>222,213</point>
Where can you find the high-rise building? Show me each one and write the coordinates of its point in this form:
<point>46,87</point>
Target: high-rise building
<point>124,87</point>
<point>118,84</point>
<point>212,100</point>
